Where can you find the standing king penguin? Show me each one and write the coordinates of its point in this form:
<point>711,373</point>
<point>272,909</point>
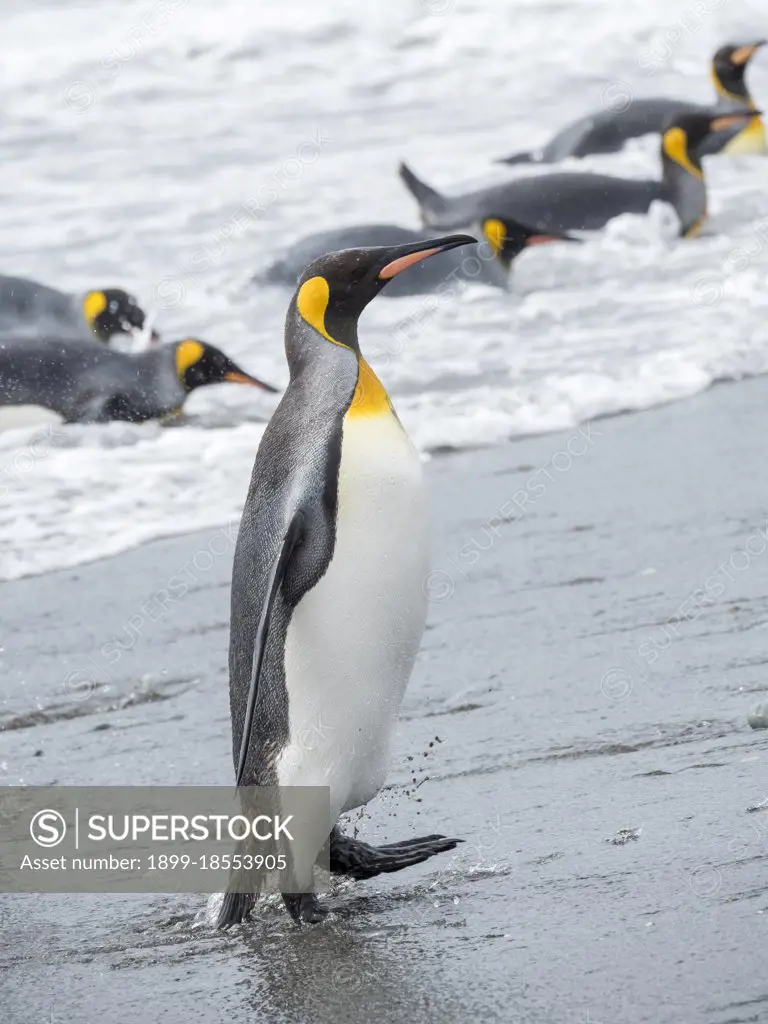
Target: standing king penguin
<point>328,605</point>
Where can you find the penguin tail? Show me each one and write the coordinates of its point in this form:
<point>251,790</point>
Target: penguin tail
<point>518,158</point>
<point>276,273</point>
<point>430,201</point>
<point>235,908</point>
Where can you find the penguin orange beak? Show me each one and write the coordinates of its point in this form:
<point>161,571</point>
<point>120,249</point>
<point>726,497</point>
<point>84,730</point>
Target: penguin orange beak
<point>746,53</point>
<point>546,239</point>
<point>717,124</point>
<point>238,377</point>
<point>400,258</point>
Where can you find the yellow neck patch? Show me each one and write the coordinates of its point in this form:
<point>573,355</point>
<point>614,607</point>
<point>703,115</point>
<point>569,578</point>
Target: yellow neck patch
<point>188,353</point>
<point>94,305</point>
<point>370,397</point>
<point>676,147</point>
<point>695,229</point>
<point>496,234</point>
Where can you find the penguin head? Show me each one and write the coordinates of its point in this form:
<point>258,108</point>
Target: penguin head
<point>507,238</point>
<point>335,289</point>
<point>683,178</point>
<point>113,311</point>
<point>198,364</point>
<point>729,66</point>
<point>682,134</point>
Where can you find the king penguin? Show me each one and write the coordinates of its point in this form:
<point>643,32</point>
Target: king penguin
<point>488,263</point>
<point>28,307</point>
<point>328,605</point>
<point>606,131</point>
<point>582,201</point>
<point>87,383</point>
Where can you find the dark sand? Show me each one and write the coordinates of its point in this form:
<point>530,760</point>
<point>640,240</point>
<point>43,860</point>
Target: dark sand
<point>580,687</point>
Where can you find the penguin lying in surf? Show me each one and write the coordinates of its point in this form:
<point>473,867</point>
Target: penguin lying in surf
<point>487,263</point>
<point>328,601</point>
<point>29,307</point>
<point>87,383</point>
<point>572,201</point>
<point>607,130</point>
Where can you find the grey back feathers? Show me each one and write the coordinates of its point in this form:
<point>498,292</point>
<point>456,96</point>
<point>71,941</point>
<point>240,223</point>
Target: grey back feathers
<point>27,307</point>
<point>85,382</point>
<point>607,131</point>
<point>553,202</point>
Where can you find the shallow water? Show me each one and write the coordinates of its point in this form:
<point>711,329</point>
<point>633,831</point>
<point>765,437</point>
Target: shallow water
<point>596,638</point>
<point>175,149</point>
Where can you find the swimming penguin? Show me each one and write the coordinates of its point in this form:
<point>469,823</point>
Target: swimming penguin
<point>29,307</point>
<point>328,606</point>
<point>607,130</point>
<point>571,201</point>
<point>87,383</point>
<point>487,263</point>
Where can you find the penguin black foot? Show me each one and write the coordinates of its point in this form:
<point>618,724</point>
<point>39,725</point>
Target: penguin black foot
<point>358,860</point>
<point>235,909</point>
<point>304,907</point>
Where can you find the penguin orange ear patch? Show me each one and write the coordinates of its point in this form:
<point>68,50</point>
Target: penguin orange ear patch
<point>312,302</point>
<point>188,353</point>
<point>404,262</point>
<point>94,305</point>
<point>496,233</point>
<point>675,145</point>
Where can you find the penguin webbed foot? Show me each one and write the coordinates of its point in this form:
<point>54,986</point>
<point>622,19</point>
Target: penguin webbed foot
<point>359,860</point>
<point>235,908</point>
<point>304,907</point>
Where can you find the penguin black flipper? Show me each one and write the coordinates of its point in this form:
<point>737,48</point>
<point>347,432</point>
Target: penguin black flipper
<point>358,860</point>
<point>276,577</point>
<point>237,906</point>
<point>104,409</point>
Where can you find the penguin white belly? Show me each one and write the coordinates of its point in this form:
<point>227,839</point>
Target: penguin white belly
<point>353,639</point>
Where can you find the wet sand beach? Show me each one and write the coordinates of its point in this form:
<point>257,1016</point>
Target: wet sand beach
<point>597,636</point>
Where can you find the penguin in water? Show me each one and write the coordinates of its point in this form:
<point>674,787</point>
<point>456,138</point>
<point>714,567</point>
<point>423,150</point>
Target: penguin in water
<point>608,130</point>
<point>487,263</point>
<point>571,201</point>
<point>29,307</point>
<point>328,605</point>
<point>87,383</point>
